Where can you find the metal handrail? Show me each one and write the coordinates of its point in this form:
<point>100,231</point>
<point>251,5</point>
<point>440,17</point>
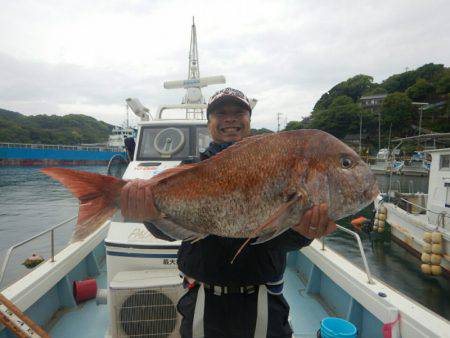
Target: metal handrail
<point>444,214</point>
<point>361,249</point>
<point>52,243</point>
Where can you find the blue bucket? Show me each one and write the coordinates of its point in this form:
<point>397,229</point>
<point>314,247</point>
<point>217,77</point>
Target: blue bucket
<point>337,328</point>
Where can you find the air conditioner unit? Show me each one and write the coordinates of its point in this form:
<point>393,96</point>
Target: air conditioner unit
<point>131,247</point>
<point>143,304</point>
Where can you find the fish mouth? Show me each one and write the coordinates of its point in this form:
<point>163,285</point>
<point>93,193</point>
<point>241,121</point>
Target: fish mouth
<point>373,192</point>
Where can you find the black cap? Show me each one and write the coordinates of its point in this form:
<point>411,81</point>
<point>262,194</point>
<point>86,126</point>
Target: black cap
<point>228,95</point>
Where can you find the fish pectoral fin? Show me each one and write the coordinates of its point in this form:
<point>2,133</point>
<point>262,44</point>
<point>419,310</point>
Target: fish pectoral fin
<point>176,231</point>
<point>195,238</point>
<point>274,222</point>
<point>269,236</point>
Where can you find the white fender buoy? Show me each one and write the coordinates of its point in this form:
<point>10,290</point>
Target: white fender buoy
<point>380,229</point>
<point>436,249</point>
<point>375,228</point>
<point>427,237</point>
<point>426,269</point>
<point>381,223</point>
<point>376,223</point>
<point>425,258</point>
<point>436,237</point>
<point>382,217</point>
<point>426,248</point>
<point>435,259</point>
<point>436,270</point>
<point>382,209</point>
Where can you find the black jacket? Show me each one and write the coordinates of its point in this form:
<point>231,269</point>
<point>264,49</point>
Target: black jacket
<point>208,260</point>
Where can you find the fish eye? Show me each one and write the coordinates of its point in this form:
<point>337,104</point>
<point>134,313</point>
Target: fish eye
<point>346,162</point>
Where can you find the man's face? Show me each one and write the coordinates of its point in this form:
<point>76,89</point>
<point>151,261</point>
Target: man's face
<point>229,123</point>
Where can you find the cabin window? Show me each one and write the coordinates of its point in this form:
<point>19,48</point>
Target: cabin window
<point>444,162</point>
<point>171,142</point>
<point>203,139</point>
<point>447,194</point>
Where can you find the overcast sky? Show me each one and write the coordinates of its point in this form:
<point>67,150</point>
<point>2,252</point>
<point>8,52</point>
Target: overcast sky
<point>87,57</point>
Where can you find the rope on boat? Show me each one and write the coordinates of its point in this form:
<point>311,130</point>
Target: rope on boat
<point>16,321</point>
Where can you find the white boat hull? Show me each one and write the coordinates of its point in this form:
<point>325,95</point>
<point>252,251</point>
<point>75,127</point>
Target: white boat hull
<point>407,229</point>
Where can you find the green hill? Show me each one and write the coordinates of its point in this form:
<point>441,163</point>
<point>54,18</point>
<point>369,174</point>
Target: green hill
<point>338,111</point>
<point>69,129</point>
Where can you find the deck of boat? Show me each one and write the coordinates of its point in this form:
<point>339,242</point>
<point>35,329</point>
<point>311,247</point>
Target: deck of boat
<point>88,320</point>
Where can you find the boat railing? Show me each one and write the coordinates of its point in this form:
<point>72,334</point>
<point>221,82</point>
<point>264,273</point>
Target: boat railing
<point>396,186</point>
<point>441,215</point>
<point>51,246</point>
<point>361,250</point>
<point>59,147</point>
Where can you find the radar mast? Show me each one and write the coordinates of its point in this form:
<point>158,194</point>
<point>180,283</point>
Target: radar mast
<point>194,70</point>
<point>194,82</point>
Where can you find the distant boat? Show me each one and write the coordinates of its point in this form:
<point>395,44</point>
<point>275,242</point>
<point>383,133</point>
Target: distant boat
<point>22,154</point>
<point>119,134</point>
<point>420,222</point>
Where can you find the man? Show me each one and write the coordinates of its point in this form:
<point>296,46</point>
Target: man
<point>243,299</point>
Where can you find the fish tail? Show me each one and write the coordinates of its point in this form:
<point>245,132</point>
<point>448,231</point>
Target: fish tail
<point>98,194</point>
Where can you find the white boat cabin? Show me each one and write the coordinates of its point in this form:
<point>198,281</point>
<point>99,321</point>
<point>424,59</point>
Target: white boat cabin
<point>439,188</point>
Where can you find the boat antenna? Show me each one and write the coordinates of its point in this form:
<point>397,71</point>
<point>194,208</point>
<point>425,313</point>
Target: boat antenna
<point>194,83</point>
<point>194,70</point>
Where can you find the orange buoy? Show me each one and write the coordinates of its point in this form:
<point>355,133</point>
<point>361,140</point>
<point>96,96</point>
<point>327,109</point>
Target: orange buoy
<point>358,221</point>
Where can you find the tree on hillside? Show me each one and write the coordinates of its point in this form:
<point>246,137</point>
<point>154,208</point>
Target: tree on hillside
<point>68,129</point>
<point>341,118</point>
<point>353,87</point>
<point>422,90</point>
<point>397,110</point>
<point>430,71</point>
<point>261,131</point>
<point>376,90</point>
<point>294,125</point>
<point>443,85</point>
<point>401,82</point>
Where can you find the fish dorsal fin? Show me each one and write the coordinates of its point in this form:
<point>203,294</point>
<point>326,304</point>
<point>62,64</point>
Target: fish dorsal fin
<point>273,222</point>
<point>243,143</point>
<point>172,172</point>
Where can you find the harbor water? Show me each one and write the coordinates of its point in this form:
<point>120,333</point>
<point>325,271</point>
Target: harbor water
<point>31,202</point>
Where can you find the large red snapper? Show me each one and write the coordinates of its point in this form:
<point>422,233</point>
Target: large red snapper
<point>258,187</point>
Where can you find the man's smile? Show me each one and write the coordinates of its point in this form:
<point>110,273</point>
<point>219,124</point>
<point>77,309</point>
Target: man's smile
<point>230,130</point>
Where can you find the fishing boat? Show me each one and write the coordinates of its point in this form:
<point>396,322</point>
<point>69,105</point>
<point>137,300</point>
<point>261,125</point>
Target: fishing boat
<point>421,222</point>
<point>120,133</point>
<point>386,162</point>
<point>21,154</point>
<point>120,281</point>
<point>382,162</point>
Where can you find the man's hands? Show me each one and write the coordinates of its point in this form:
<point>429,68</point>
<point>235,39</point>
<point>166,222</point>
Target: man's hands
<point>315,222</point>
<point>137,203</point>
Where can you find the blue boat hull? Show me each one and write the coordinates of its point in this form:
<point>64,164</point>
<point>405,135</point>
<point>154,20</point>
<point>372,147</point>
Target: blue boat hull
<point>31,156</point>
